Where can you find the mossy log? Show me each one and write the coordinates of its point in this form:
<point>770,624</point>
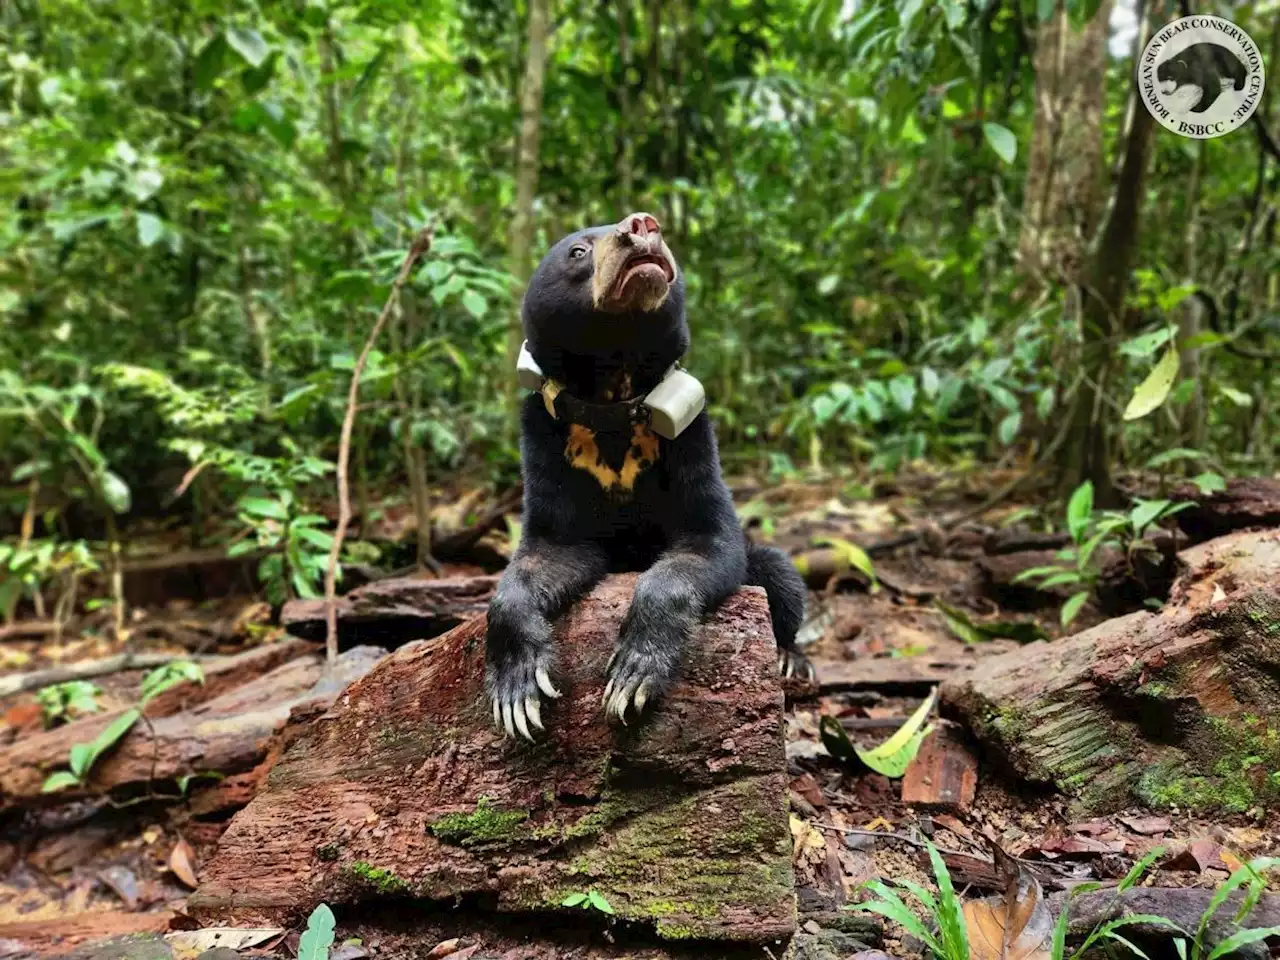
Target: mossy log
<point>403,788</point>
<point>1179,707</point>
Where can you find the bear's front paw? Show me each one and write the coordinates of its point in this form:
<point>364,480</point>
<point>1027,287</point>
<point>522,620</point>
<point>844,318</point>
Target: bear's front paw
<point>793,663</point>
<point>639,674</point>
<point>515,685</point>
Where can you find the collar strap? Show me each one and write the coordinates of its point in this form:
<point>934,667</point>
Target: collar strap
<point>667,409</point>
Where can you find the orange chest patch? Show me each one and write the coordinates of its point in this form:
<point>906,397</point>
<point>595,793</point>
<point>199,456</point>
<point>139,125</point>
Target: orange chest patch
<point>582,452</point>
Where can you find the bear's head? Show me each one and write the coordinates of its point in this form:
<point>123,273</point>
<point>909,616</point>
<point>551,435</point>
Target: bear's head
<point>609,297</point>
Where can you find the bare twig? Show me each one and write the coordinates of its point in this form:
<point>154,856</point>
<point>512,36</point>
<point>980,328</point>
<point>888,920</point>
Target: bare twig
<point>421,244</point>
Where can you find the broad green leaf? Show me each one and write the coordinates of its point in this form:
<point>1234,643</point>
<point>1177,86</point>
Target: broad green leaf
<point>1008,429</point>
<point>599,902</point>
<point>1045,9</point>
<point>1152,391</point>
<point>475,304</point>
<point>1238,397</point>
<point>209,62</point>
<point>150,229</point>
<point>1045,402</point>
<point>1002,141</point>
<point>80,758</point>
<point>851,554</point>
<point>1145,512</point>
<point>827,284</point>
<point>1080,510</point>
<point>929,382</point>
<point>893,756</point>
<point>903,390</point>
<point>115,492</point>
<point>574,900</point>
<point>1209,483</point>
<point>1072,607</point>
<point>59,781</point>
<point>910,128</point>
<point>318,937</point>
<point>1147,344</point>
<point>1173,456</point>
<point>249,44</point>
<point>262,507</point>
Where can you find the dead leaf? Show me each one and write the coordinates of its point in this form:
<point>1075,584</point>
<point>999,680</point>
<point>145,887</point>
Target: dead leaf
<point>182,863</point>
<point>349,951</point>
<point>1015,926</point>
<point>807,787</point>
<point>948,822</point>
<point>445,948</point>
<point>123,882</point>
<point>1148,826</point>
<point>1198,856</point>
<point>188,944</point>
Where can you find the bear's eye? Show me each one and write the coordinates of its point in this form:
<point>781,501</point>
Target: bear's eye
<point>577,253</point>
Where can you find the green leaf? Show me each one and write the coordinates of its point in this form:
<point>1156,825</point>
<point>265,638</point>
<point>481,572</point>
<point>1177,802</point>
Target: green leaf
<point>1155,388</point>
<point>262,507</point>
<point>1002,141</point>
<point>249,44</point>
<point>1009,427</point>
<point>1209,483</point>
<point>168,676</point>
<point>1045,402</point>
<point>1146,512</point>
<point>209,62</point>
<point>1242,938</point>
<point>475,304</point>
<point>599,902</point>
<point>1147,344</point>
<point>1172,456</point>
<point>574,900</point>
<point>827,284</point>
<point>1080,510</point>
<point>1072,607</point>
<point>318,938</point>
<point>317,538</point>
<point>80,758</point>
<point>903,390</point>
<point>929,382</point>
<point>850,553</point>
<point>893,756</point>
<point>1238,397</point>
<point>150,229</point>
<point>60,781</point>
<point>115,492</point>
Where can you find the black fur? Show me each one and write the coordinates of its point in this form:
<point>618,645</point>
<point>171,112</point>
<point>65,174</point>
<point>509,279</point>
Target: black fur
<point>1205,65</point>
<point>676,523</point>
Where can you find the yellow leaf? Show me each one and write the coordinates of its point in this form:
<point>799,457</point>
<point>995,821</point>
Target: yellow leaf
<point>1015,926</point>
<point>1151,392</point>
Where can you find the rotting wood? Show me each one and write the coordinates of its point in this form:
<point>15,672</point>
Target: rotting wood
<point>943,773</point>
<point>405,786</point>
<point>227,734</point>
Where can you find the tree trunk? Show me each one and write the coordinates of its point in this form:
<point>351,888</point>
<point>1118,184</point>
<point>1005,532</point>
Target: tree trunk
<point>1063,195</point>
<point>1194,428</point>
<point>1086,455</point>
<point>624,105</point>
<point>535,65</point>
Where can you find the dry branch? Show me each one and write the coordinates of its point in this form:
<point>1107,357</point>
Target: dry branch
<point>421,244</point>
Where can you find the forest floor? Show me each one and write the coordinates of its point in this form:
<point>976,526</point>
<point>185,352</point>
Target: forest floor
<point>71,872</point>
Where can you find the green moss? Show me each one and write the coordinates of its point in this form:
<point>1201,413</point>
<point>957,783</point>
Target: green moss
<point>486,824</point>
<point>383,881</point>
<point>1243,756</point>
<point>327,852</point>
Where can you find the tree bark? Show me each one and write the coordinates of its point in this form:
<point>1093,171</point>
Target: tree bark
<point>1063,196</point>
<point>522,226</point>
<point>1087,453</point>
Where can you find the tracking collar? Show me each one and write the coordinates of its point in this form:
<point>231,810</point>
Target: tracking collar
<point>667,409</point>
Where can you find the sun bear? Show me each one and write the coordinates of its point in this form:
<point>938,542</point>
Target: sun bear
<point>1204,65</point>
<point>611,484</point>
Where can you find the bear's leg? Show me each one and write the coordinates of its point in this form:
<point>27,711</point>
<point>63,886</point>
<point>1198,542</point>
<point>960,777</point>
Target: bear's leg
<point>542,579</point>
<point>670,598</point>
<point>772,569</point>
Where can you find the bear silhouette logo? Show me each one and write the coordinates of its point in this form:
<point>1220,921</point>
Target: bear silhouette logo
<point>1201,76</point>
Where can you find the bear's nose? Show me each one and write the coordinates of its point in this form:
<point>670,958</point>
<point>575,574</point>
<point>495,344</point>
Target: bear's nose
<point>639,224</point>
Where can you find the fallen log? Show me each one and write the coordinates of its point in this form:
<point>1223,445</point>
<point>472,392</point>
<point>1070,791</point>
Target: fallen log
<point>1181,906</point>
<point>404,788</point>
<point>1175,708</point>
<point>391,612</point>
<point>1248,502</point>
<point>227,734</point>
